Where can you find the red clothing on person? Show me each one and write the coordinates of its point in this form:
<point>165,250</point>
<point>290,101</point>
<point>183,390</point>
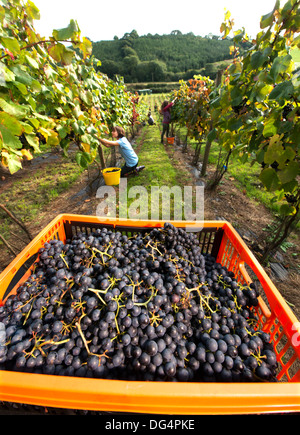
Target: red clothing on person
<point>167,113</point>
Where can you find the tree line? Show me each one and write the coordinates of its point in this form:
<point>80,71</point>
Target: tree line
<point>162,58</point>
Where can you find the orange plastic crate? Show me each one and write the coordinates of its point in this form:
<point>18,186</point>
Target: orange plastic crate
<point>274,316</point>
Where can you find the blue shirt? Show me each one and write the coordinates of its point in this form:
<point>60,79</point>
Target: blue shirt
<point>127,152</point>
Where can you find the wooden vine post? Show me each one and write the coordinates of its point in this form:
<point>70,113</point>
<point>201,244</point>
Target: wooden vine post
<point>101,156</point>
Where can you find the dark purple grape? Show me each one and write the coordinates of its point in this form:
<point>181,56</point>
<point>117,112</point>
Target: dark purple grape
<point>211,345</point>
<point>217,367</point>
<point>200,354</point>
<point>151,347</point>
<point>225,375</point>
<point>126,339</point>
<point>251,362</point>
<point>167,355</point>
<point>207,369</point>
<point>183,374</point>
<point>112,305</point>
<point>93,362</point>
<point>263,372</point>
<point>57,326</point>
<point>170,369</point>
<point>92,302</point>
<point>244,350</point>
<point>70,313</point>
<point>20,362</point>
<point>144,358</point>
<point>271,357</point>
<point>31,362</point>
<point>157,359</point>
<point>232,351</point>
<point>51,358</point>
<point>222,346</point>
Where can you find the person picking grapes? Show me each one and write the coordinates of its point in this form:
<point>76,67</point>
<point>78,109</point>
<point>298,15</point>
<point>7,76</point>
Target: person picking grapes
<point>166,112</point>
<point>125,148</point>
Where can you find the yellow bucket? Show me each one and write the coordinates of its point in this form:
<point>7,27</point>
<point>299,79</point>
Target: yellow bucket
<point>111,176</point>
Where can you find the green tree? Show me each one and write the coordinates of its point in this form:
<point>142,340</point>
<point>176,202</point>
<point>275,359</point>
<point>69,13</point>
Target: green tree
<point>47,90</point>
<point>130,64</point>
<point>110,67</point>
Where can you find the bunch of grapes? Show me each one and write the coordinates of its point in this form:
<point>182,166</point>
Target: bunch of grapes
<point>287,110</point>
<point>146,307</point>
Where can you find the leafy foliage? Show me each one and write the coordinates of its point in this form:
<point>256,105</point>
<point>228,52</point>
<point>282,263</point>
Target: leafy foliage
<point>254,113</point>
<point>192,108</point>
<point>256,110</point>
<point>50,91</point>
<point>139,112</point>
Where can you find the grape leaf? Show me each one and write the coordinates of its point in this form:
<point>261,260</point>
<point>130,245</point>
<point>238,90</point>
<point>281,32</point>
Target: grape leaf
<point>11,44</point>
<point>270,129</point>
<point>289,173</point>
<point>13,109</point>
<point>67,32</point>
<point>280,65</point>
<point>12,161</point>
<point>282,90</point>
<point>32,11</point>
<point>9,139</point>
<point>270,179</point>
<point>11,123</point>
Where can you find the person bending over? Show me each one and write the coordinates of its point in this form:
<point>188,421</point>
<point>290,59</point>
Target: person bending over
<point>125,148</point>
<point>166,112</point>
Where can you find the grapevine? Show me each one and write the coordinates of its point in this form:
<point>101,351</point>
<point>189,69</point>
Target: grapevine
<point>253,113</point>
<point>52,93</point>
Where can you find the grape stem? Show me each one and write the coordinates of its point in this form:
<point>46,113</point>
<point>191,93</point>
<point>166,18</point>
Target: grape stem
<point>197,289</point>
<point>103,253</point>
<point>97,294</point>
<point>38,344</point>
<point>84,340</point>
<point>63,259</point>
<point>77,324</point>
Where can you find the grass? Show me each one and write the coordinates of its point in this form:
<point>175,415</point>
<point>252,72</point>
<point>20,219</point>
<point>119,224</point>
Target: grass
<point>153,155</point>
<point>160,172</point>
<point>28,196</point>
<point>246,177</point>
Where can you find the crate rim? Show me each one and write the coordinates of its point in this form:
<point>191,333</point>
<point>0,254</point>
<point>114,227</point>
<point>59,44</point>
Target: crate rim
<point>146,397</point>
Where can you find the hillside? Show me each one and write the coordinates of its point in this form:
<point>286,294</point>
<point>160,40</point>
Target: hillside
<point>161,57</point>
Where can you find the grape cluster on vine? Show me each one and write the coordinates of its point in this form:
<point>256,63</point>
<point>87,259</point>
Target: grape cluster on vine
<point>147,307</point>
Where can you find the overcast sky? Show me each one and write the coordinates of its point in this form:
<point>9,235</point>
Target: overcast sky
<point>102,20</point>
